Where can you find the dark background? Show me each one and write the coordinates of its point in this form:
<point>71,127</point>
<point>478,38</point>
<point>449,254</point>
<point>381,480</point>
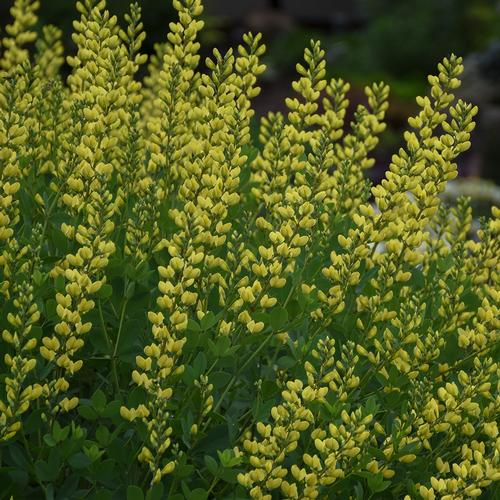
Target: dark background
<point>399,42</point>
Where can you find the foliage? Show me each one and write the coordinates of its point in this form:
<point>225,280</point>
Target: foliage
<point>429,28</point>
<point>187,314</point>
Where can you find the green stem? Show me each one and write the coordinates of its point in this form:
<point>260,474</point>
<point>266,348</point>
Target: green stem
<point>120,327</point>
<point>212,486</point>
<point>115,350</point>
<point>32,463</point>
<point>172,487</point>
<point>144,480</point>
<point>108,342</point>
<point>235,376</point>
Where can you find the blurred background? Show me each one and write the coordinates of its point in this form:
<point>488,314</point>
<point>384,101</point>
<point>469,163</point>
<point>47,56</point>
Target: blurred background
<point>399,42</point>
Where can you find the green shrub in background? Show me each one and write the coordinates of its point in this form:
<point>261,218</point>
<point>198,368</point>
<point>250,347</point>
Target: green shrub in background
<point>188,315</point>
<point>428,28</point>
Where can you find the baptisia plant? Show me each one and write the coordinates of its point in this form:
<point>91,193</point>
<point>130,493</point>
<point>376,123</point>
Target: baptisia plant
<point>189,313</point>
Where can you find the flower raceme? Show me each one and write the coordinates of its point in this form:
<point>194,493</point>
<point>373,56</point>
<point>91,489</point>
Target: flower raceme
<point>260,318</point>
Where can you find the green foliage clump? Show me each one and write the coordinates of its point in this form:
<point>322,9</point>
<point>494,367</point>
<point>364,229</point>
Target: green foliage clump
<point>186,314</point>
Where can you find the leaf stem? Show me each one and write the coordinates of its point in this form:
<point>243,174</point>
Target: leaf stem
<point>236,375</point>
<point>115,350</point>
<point>108,342</point>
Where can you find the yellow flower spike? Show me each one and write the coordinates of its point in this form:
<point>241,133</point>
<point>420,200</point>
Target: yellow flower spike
<point>188,176</point>
<point>21,360</point>
<point>49,57</point>
<point>24,18</point>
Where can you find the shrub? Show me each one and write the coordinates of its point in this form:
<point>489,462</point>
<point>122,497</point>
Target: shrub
<point>186,314</point>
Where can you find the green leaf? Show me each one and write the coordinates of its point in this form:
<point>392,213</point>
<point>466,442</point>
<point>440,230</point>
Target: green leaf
<point>38,277</point>
<point>193,326</point>
<point>269,389</point>
<point>216,439</point>
<point>59,433</point>
<point>223,346</point>
<point>112,410</point>
<point>278,317</point>
<point>36,332</point>
<point>444,263</point>
<point>220,379</point>
<point>471,300</point>
<point>377,484</point>
<point>130,290</point>
<point>18,456</point>
<point>104,292</point>
<point>208,321</point>
<point>200,364</point>
<point>105,471</point>
<point>103,495</point>
<point>92,451</point>
<point>69,487</point>
<point>136,397</point>
<point>135,273</point>
<point>211,464</point>
<point>286,362</point>
<point>51,310</point>
<point>418,278</point>
<point>197,494</point>
<point>227,458</point>
<point>129,344</point>
<point>48,471</point>
<point>99,342</point>
<point>33,421</point>
<point>261,411</point>
<point>98,401</point>
<point>102,435</point>
<point>224,457</point>
<point>59,283</point>
<point>49,440</point>
<point>134,493</point>
<point>79,461</point>
<point>189,376</point>
<point>137,307</point>
<point>229,475</point>
<point>371,405</point>
<point>358,489</point>
<point>377,453</point>
<point>87,412</point>
<point>156,492</point>
<point>60,241</point>
<point>183,471</point>
<point>295,308</point>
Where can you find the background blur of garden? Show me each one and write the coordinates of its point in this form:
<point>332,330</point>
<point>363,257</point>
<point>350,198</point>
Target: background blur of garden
<point>399,42</point>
